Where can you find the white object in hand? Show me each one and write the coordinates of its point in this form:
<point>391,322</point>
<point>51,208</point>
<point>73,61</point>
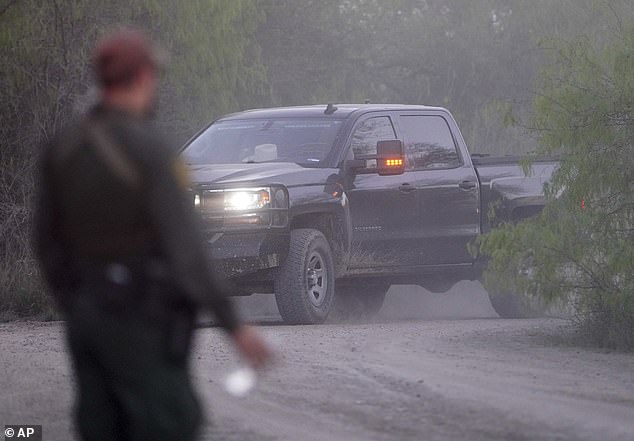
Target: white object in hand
<point>240,382</point>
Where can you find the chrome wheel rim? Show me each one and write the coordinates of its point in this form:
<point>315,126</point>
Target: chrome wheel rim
<point>316,279</point>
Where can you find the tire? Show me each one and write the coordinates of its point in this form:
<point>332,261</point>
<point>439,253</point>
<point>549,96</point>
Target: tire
<point>357,302</point>
<point>509,305</point>
<point>305,286</point>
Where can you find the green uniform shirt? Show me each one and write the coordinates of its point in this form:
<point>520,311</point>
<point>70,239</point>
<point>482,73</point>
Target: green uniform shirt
<point>125,199</point>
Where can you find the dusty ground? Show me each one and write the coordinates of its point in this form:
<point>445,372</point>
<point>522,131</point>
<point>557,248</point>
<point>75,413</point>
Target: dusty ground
<point>451,371</point>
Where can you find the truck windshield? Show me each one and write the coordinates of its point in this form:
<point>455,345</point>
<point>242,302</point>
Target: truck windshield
<point>306,142</point>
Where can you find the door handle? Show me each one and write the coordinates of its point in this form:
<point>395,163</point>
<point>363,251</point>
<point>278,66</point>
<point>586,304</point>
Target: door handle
<point>467,185</point>
<point>406,188</point>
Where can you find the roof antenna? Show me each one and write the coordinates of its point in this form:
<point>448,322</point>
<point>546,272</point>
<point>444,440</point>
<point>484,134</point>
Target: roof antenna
<point>367,101</point>
<point>330,109</point>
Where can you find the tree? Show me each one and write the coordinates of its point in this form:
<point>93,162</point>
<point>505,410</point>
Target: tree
<point>215,67</point>
<point>306,52</point>
<point>580,248</point>
<point>45,48</point>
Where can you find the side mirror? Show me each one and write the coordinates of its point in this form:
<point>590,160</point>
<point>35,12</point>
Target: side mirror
<point>390,157</point>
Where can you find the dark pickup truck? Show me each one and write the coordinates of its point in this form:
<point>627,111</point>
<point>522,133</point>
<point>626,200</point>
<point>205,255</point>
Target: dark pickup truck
<point>321,202</point>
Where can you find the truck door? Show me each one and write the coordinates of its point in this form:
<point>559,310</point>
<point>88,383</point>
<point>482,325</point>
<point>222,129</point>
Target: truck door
<point>384,209</point>
<point>446,186</point>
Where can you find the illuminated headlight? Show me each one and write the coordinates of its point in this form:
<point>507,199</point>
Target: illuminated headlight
<point>247,199</point>
<point>263,206</point>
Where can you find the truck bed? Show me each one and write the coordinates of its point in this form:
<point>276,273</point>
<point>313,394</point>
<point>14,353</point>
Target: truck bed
<point>503,180</point>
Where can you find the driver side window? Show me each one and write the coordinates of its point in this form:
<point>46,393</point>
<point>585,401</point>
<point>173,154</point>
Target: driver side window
<point>368,134</point>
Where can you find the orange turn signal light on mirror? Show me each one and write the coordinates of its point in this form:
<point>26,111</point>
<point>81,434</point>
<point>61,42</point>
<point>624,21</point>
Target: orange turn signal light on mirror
<point>393,162</point>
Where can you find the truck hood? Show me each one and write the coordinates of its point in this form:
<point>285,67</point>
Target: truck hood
<point>286,173</point>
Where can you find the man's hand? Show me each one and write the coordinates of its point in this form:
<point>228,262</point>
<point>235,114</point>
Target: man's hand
<point>252,346</point>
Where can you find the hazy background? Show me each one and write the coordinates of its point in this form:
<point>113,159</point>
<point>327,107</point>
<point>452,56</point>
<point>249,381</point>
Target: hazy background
<point>479,58</point>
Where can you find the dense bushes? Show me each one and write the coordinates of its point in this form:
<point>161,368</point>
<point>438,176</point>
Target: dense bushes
<point>45,78</point>
<point>581,249</point>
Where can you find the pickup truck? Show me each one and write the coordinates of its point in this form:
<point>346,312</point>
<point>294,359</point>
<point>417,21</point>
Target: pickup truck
<point>321,205</point>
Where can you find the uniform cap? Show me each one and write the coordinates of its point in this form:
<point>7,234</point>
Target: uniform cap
<point>119,57</point>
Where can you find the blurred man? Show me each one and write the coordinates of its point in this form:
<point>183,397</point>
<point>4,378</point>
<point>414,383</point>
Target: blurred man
<point>119,246</point>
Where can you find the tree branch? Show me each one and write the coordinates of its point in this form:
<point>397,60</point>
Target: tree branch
<point>6,7</point>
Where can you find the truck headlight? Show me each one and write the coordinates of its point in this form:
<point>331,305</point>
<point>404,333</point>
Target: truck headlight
<point>247,199</point>
<point>263,206</point>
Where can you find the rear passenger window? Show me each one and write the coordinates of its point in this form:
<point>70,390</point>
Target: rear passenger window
<point>428,143</point>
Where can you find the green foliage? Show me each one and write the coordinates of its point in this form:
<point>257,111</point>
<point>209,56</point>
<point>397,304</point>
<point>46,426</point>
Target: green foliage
<point>45,77</point>
<point>305,50</point>
<point>215,66</point>
<point>585,113</point>
<point>477,58</point>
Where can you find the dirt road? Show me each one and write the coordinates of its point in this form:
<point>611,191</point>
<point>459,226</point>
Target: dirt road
<point>418,379</point>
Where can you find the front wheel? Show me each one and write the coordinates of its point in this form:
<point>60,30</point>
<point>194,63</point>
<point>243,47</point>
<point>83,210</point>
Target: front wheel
<point>305,286</point>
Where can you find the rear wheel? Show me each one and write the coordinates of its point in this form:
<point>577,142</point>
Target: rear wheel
<point>508,305</point>
<point>511,305</point>
<point>304,289</point>
<point>359,301</point>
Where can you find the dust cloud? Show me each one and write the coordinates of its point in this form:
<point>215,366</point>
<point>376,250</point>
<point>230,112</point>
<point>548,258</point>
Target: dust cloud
<point>465,300</point>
